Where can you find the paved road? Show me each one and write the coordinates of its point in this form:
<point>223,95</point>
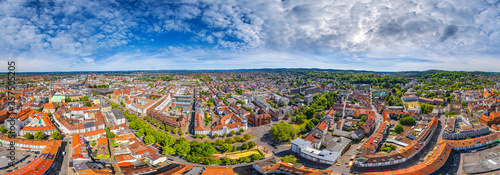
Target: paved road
<point>343,113</point>
<point>112,159</point>
<point>58,161</point>
<point>65,170</point>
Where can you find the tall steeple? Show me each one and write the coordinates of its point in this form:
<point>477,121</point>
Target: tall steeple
<point>50,92</point>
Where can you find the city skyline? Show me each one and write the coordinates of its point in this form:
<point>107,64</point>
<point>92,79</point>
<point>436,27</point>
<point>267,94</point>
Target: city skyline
<point>385,36</point>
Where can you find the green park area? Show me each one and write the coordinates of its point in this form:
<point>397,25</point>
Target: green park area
<point>302,125</point>
<point>114,143</point>
<point>102,156</point>
<point>243,154</point>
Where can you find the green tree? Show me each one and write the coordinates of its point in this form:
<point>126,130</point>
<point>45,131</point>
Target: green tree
<point>28,135</point>
<point>162,127</point>
<point>39,135</point>
<point>229,141</point>
<point>139,133</point>
<point>215,135</point>
<point>255,157</point>
<point>225,148</point>
<point>85,98</point>
<point>244,160</point>
<point>426,108</point>
<point>218,142</point>
<point>237,139</point>
<point>337,114</point>
<point>247,137</point>
<point>224,135</point>
<point>110,134</point>
<point>194,143</point>
<point>241,131</point>
<point>204,149</point>
<point>203,136</point>
<point>363,119</point>
<point>409,120</point>
<point>3,130</point>
<point>182,148</point>
<point>398,128</point>
<point>289,159</point>
<point>56,135</point>
<point>182,140</point>
<point>167,150</point>
<point>149,139</point>
<point>251,145</point>
<point>196,135</point>
<point>232,133</point>
<point>283,131</point>
<point>244,146</point>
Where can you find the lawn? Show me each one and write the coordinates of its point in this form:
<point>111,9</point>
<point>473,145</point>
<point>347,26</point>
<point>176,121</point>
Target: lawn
<point>303,125</point>
<point>114,143</point>
<point>413,105</point>
<point>246,153</point>
<point>102,156</point>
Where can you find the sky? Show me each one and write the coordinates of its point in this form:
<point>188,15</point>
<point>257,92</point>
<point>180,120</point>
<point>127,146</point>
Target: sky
<point>376,35</point>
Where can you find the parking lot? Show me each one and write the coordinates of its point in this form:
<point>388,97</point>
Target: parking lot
<point>245,170</point>
<point>22,158</point>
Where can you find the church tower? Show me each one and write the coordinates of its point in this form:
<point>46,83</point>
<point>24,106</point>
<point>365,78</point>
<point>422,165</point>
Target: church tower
<point>50,92</point>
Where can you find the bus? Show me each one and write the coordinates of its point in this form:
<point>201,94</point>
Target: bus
<point>387,169</point>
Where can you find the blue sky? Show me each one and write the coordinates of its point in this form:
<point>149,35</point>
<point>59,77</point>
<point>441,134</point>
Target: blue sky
<point>379,35</point>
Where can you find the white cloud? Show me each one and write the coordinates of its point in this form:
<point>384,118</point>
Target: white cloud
<point>88,60</point>
<point>358,34</point>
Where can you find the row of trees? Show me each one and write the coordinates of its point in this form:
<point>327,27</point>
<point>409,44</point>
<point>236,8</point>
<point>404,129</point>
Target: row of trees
<point>84,98</point>
<point>38,135</point>
<point>195,151</point>
<point>227,160</point>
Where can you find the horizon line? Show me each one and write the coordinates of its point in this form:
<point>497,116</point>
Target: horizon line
<point>250,69</point>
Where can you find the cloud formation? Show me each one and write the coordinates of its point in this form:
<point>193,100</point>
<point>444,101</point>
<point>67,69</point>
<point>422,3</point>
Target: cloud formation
<point>384,35</point>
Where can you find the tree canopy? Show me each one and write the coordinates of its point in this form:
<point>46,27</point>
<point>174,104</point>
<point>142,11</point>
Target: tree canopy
<point>398,128</point>
<point>289,159</point>
<point>56,135</point>
<point>39,135</point>
<point>283,131</point>
<point>408,120</point>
